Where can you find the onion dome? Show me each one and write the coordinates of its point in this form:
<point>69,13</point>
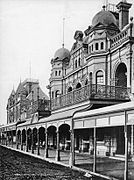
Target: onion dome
<point>62,54</point>
<point>105,18</point>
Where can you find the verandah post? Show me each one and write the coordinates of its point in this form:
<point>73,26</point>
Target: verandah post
<point>94,160</point>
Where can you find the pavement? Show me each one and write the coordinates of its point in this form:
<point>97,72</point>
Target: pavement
<point>107,167</point>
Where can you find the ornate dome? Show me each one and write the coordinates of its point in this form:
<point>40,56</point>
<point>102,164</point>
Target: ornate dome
<point>104,17</point>
<point>61,54</point>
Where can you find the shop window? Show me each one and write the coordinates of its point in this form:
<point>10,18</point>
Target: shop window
<point>99,77</point>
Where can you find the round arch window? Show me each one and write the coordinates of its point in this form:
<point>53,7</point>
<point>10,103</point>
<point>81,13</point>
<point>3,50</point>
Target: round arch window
<point>69,89</point>
<point>99,77</point>
<point>121,75</point>
<point>78,86</point>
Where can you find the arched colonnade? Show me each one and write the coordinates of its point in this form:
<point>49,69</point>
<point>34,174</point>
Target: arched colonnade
<point>47,136</point>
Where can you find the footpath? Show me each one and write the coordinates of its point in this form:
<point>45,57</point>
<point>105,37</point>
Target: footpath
<point>107,168</point>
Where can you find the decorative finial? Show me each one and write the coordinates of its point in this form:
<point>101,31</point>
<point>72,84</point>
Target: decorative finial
<point>104,7</point>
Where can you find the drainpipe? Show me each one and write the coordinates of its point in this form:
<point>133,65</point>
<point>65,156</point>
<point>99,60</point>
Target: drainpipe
<point>131,51</point>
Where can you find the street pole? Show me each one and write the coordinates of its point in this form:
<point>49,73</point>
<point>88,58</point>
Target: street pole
<point>126,148</point>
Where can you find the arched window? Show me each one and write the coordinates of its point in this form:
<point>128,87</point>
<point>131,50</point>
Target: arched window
<point>59,73</point>
<point>121,75</point>
<point>79,62</point>
<point>76,64</point>
<point>99,77</point>
<point>57,93</point>
<point>55,73</point>
<point>69,89</point>
<point>102,45</point>
<point>78,86</point>
<point>96,46</point>
<point>90,77</point>
<point>92,47</point>
<point>86,82</point>
<point>89,49</point>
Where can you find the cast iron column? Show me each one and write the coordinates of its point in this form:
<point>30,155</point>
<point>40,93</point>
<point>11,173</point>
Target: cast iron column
<point>21,141</point>
<point>26,141</point>
<point>38,142</point>
<point>32,139</point>
<point>12,137</point>
<point>46,144</point>
<point>16,139</point>
<point>72,148</point>
<point>6,138</point>
<point>57,158</point>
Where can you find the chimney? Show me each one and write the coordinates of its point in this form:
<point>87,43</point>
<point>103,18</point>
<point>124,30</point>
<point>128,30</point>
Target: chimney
<point>123,8</point>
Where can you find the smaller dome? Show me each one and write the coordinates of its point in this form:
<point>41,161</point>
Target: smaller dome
<point>104,17</point>
<point>61,54</point>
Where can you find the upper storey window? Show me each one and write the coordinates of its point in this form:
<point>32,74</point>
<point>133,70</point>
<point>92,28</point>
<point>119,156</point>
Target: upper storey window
<point>92,47</point>
<point>78,86</point>
<point>90,77</point>
<point>99,77</point>
<point>57,93</point>
<point>96,46</point>
<point>102,45</point>
<point>70,89</point>
<point>75,63</point>
<point>79,62</point>
<point>55,73</point>
<point>59,73</point>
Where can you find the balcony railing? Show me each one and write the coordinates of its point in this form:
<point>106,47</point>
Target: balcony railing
<point>88,92</point>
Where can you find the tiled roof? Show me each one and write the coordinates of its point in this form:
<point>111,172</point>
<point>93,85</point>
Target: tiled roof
<point>42,95</point>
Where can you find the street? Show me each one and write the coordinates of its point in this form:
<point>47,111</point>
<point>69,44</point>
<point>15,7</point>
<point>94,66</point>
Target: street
<point>17,166</point>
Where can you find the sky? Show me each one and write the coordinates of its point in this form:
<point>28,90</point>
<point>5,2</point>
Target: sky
<point>30,33</point>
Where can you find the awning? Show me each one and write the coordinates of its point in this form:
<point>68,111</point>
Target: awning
<point>105,117</point>
<point>9,127</point>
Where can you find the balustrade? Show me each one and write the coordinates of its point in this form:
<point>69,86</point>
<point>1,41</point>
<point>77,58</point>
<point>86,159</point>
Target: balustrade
<point>120,38</point>
<point>90,91</point>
